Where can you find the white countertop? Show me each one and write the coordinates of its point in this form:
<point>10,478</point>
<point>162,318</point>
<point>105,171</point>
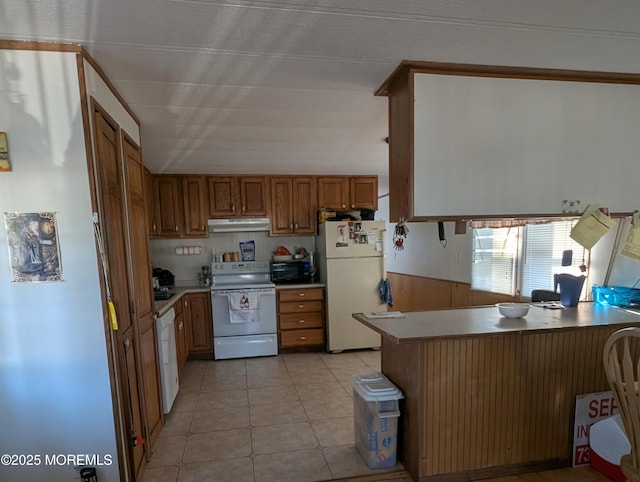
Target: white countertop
<point>486,320</point>
<point>297,286</point>
<point>164,305</point>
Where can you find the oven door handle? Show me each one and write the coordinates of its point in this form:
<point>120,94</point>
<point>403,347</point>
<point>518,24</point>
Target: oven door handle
<point>262,292</point>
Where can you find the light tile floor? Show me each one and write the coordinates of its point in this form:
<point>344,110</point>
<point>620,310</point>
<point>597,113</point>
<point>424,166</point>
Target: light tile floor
<point>266,419</point>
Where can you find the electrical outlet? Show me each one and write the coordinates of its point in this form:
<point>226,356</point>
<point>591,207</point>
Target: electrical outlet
<point>571,206</point>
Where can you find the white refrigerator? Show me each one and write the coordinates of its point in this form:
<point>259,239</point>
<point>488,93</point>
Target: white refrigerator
<point>351,264</point>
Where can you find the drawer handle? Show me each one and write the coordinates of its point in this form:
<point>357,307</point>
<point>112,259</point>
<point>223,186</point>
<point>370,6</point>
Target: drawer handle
<point>300,306</point>
<point>303,338</point>
<point>300,294</point>
<point>300,321</point>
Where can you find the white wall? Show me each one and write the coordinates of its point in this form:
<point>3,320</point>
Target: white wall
<point>54,379</point>
<point>186,268</point>
<point>425,256</point>
<point>486,146</point>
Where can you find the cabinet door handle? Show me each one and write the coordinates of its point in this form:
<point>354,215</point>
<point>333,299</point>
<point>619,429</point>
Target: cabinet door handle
<point>176,228</point>
<point>291,227</point>
<point>300,321</point>
<point>303,338</point>
<point>295,226</point>
<point>344,206</point>
<point>353,206</point>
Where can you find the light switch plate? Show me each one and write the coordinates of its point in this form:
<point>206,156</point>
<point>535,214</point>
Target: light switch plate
<point>571,206</point>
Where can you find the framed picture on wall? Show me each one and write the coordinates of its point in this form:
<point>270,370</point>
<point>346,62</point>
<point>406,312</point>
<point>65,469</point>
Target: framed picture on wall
<point>5,165</point>
<point>34,252</point>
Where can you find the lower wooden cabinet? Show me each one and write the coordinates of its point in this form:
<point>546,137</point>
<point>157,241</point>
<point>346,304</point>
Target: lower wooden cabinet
<point>181,336</point>
<point>300,317</point>
<point>199,325</point>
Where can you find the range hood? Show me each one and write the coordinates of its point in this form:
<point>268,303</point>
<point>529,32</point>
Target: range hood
<point>236,225</point>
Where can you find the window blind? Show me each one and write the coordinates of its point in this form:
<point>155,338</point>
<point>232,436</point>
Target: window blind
<point>495,252</point>
<point>544,245</point>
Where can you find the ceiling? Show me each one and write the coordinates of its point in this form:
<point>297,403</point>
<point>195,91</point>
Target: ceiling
<point>286,86</point>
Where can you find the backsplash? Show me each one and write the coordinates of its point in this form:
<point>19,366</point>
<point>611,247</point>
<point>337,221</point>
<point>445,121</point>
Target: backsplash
<point>186,267</point>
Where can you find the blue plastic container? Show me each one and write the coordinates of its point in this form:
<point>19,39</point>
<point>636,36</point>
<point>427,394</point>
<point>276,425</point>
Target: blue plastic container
<point>615,295</point>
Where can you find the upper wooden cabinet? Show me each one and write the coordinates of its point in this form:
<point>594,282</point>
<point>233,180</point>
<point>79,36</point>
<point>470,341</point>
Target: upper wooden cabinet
<point>344,193</point>
<point>169,206</point>
<point>151,200</point>
<point>293,205</point>
<point>238,196</point>
<point>194,197</point>
<point>177,206</point>
<point>363,192</point>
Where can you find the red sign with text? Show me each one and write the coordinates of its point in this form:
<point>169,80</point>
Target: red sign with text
<point>590,408</point>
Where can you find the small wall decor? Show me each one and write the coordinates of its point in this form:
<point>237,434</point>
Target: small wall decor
<point>5,165</point>
<point>34,252</point>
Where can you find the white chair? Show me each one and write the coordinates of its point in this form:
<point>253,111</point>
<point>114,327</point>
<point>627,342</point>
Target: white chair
<point>622,365</point>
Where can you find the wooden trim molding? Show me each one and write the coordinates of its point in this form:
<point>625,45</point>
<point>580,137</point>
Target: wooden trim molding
<point>106,80</point>
<point>409,67</point>
<point>44,46</point>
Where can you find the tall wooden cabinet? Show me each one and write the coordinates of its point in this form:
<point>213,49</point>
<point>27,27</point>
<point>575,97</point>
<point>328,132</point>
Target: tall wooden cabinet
<point>238,196</point>
<point>112,184</point>
<point>141,290</point>
<point>293,205</point>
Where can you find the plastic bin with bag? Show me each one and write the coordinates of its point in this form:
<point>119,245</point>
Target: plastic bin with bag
<point>375,415</point>
<point>616,295</point>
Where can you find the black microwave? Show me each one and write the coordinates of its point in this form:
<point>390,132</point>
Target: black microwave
<point>296,271</point>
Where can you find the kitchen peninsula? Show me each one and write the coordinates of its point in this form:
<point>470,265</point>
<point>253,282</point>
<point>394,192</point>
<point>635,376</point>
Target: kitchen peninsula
<point>488,396</point>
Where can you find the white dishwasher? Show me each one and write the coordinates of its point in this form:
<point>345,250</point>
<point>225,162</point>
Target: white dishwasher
<point>168,358</point>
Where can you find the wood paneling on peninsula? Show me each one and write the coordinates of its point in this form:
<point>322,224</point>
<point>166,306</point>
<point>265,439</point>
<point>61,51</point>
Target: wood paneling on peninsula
<point>489,396</point>
<point>411,293</point>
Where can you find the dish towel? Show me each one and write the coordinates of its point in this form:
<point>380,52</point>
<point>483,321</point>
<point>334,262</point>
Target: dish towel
<point>385,292</point>
<point>243,307</point>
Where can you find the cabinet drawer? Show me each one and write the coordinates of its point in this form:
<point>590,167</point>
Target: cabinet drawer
<point>301,294</point>
<point>300,306</point>
<point>295,321</point>
<point>301,337</point>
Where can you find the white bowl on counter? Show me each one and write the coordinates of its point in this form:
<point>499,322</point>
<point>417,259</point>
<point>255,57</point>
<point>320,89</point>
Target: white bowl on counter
<point>513,310</point>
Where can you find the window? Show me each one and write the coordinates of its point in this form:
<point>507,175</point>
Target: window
<point>495,251</point>
<point>544,247</point>
<point>519,259</point>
